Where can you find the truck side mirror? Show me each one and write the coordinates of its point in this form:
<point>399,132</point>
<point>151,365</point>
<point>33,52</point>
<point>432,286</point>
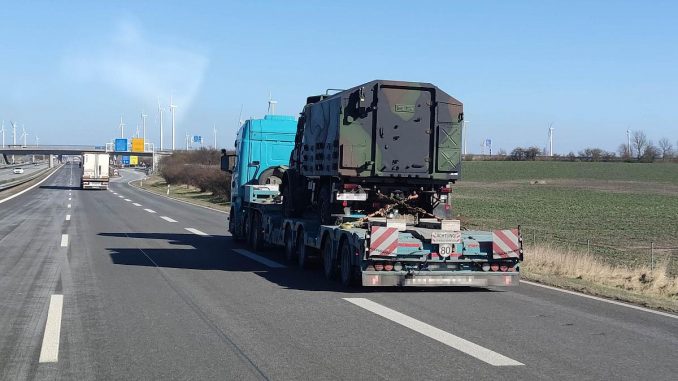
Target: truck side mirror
<point>228,162</point>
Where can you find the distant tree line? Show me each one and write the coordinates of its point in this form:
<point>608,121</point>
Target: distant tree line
<point>198,168</point>
<point>641,150</point>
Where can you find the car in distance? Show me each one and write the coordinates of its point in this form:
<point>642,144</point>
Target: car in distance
<point>18,171</point>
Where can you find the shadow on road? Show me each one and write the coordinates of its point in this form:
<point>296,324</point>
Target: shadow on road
<point>60,187</point>
<point>215,253</point>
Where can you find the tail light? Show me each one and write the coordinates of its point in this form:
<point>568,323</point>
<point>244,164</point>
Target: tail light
<point>351,186</point>
<point>379,266</point>
<point>398,266</point>
<point>503,268</point>
<point>388,266</point>
<point>486,267</point>
<point>494,267</point>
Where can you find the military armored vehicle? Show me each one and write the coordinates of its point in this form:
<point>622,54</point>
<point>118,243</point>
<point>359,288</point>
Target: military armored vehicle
<point>374,145</point>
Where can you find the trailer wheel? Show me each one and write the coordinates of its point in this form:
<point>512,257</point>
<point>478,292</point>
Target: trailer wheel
<point>347,276</point>
<point>302,253</point>
<point>329,259</point>
<point>289,245</point>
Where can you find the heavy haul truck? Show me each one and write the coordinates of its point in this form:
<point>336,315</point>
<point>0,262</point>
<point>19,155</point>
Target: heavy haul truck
<point>362,181</point>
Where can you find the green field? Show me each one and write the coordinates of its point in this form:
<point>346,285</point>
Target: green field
<point>620,208</point>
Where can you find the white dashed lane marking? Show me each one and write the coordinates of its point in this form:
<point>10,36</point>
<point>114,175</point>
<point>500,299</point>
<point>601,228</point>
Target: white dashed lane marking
<point>150,210</point>
<point>456,342</point>
<point>64,240</point>
<point>259,258</point>
<point>50,340</point>
<point>168,219</point>
<point>68,217</point>
<point>135,204</point>
<point>196,231</point>
<point>128,200</point>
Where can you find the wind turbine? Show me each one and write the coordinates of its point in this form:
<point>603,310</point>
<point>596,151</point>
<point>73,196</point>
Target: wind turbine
<point>24,134</point>
<point>143,122</point>
<point>2,130</point>
<point>551,139</point>
<point>160,113</point>
<point>13,132</point>
<point>214,129</point>
<point>122,129</point>
<point>37,141</point>
<point>173,111</point>
<point>271,104</point>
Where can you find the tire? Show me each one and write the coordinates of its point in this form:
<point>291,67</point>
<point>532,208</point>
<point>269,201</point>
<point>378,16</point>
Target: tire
<point>271,175</point>
<point>289,246</point>
<point>346,274</point>
<point>302,251</point>
<point>329,260</point>
<point>255,233</point>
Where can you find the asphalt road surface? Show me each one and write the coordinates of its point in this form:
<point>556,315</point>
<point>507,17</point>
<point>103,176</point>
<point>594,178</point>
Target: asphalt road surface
<point>123,284</point>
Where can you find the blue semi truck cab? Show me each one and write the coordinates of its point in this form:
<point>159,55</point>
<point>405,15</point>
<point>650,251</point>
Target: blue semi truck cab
<point>259,145</point>
<point>391,250</point>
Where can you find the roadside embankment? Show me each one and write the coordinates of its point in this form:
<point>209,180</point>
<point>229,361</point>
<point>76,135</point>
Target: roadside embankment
<point>650,287</point>
<point>156,184</point>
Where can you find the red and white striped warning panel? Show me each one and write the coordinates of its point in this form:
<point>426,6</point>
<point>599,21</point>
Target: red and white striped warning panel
<point>506,244</point>
<point>383,240</point>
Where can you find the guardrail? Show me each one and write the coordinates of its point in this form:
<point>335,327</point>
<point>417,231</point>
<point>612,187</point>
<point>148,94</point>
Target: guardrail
<point>11,184</point>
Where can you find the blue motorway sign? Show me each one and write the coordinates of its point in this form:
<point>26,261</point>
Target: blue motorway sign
<point>125,160</point>
<point>121,145</point>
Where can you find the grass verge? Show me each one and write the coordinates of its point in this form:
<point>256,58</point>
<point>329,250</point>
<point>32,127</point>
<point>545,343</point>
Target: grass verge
<point>585,273</point>
<point>157,185</point>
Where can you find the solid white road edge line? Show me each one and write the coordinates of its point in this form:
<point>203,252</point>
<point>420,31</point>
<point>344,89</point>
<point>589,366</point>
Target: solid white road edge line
<point>150,210</point>
<point>472,349</point>
<point>196,231</point>
<point>260,259</point>
<point>64,240</point>
<point>174,199</point>
<point>168,219</point>
<point>50,340</point>
<point>29,188</point>
<point>135,204</point>
<point>68,217</point>
<point>601,299</point>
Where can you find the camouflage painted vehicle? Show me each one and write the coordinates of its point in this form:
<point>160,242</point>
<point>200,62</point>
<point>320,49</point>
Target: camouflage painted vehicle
<point>385,139</point>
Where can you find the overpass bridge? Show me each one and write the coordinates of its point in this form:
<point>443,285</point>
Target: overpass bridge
<point>65,150</point>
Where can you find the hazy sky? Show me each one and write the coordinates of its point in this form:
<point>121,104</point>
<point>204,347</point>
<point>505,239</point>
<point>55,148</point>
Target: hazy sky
<point>70,69</point>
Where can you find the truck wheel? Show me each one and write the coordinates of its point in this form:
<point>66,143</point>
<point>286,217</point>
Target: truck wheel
<point>231,227</point>
<point>346,271</point>
<point>255,233</point>
<point>289,245</point>
<point>302,253</point>
<point>329,260</point>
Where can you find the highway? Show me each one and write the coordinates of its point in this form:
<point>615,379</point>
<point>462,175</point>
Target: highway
<point>6,173</point>
<point>123,284</point>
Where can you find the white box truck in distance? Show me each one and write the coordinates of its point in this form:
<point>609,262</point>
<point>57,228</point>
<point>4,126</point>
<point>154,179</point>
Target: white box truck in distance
<point>95,171</point>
